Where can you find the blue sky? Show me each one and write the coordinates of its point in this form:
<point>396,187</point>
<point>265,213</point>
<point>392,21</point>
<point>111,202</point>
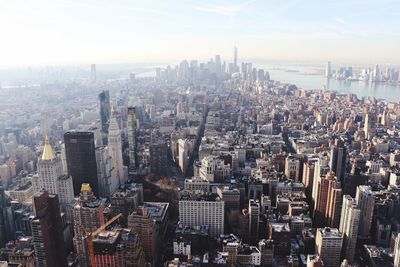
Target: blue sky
<point>100,31</point>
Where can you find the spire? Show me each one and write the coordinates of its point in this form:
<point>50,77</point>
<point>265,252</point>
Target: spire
<point>113,125</point>
<point>48,153</point>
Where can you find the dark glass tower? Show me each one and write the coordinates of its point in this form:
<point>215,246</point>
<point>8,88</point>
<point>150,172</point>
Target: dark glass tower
<point>105,111</point>
<point>81,160</point>
<point>47,232</point>
<point>338,159</point>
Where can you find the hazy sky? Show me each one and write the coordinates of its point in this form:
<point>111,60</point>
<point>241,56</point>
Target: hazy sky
<point>100,31</point>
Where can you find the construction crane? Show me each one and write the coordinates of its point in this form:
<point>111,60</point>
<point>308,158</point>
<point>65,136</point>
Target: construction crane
<point>89,237</point>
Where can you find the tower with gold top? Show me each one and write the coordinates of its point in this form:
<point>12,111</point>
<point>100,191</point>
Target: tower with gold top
<point>50,176</point>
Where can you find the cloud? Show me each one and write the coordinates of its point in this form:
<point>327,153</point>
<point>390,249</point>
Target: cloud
<point>339,20</point>
<point>229,10</point>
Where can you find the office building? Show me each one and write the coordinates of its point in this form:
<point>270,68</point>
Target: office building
<point>119,247</point>
<point>338,159</point>
<point>105,112</point>
<point>132,128</point>
<point>126,200</point>
<point>159,163</point>
<point>396,251</point>
<point>349,223</point>
<point>50,176</point>
<point>365,201</point>
<point>202,209</point>
<point>328,202</point>
<point>93,74</point>
<point>47,231</point>
<point>81,160</point>
<point>328,246</point>
<point>328,70</point>
<point>254,220</point>
<point>88,215</point>
<point>106,173</point>
<point>115,149</point>
<point>142,223</point>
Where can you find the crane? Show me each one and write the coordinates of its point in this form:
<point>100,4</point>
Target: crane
<point>89,237</point>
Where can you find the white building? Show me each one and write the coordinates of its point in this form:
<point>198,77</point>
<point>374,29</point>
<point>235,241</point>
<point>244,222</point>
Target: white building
<point>214,169</point>
<point>292,168</point>
<point>182,247</point>
<point>328,245</point>
<point>349,221</point>
<point>202,209</point>
<point>51,177</point>
<point>115,149</point>
<point>108,180</point>
<point>197,184</point>
<point>365,201</point>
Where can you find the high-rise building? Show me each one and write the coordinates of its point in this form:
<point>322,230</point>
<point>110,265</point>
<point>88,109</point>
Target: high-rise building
<point>106,174</point>
<point>254,220</point>
<point>349,222</point>
<point>328,202</point>
<point>235,55</point>
<point>93,75</point>
<point>6,218</point>
<point>115,149</point>
<point>396,251</point>
<point>328,246</point>
<point>81,160</point>
<point>142,223</point>
<point>365,201</point>
<point>126,200</point>
<point>292,168</point>
<point>51,178</point>
<point>184,148</point>
<point>338,159</point>
<point>159,158</point>
<point>202,209</point>
<point>132,127</point>
<point>105,112</point>
<point>47,231</point>
<point>88,215</point>
<point>119,247</point>
<point>328,70</point>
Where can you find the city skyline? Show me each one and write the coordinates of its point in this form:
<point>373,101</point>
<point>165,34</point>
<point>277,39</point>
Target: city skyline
<point>72,32</point>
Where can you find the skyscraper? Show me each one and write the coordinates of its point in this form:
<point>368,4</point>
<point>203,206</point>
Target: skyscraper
<point>349,223</point>
<point>338,159</point>
<point>202,209</point>
<point>118,247</point>
<point>81,160</point>
<point>93,75</point>
<point>51,177</point>
<point>328,245</point>
<point>254,220</point>
<point>115,149</point>
<point>235,54</point>
<point>105,112</point>
<point>397,251</point>
<point>365,201</point>
<point>328,202</point>
<point>141,223</point>
<point>6,218</point>
<point>88,216</point>
<point>132,125</point>
<point>47,231</point>
<point>328,70</point>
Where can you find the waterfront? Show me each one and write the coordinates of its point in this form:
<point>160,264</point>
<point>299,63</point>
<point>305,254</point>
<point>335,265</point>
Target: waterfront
<point>311,77</point>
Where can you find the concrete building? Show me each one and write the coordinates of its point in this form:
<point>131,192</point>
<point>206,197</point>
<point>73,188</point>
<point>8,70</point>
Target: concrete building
<point>254,220</point>
<point>115,149</point>
<point>365,201</point>
<point>349,223</point>
<point>328,246</point>
<point>141,223</point>
<point>202,209</point>
<point>51,178</point>
<point>118,247</point>
<point>292,168</point>
<point>47,231</point>
<point>88,215</point>
<point>197,184</point>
